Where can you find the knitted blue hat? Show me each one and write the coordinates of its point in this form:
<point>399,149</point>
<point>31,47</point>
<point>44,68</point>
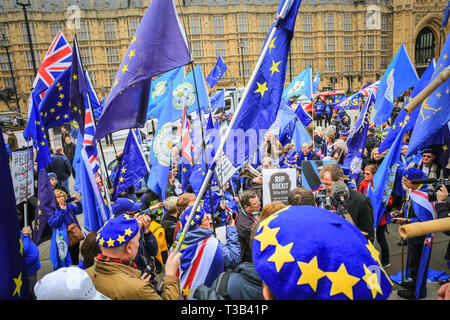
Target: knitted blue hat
<point>304,252</point>
<point>414,173</point>
<point>122,205</point>
<point>198,216</point>
<point>52,175</point>
<point>117,231</point>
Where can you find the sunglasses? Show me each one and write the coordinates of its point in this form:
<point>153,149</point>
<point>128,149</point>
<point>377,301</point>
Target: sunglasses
<point>426,156</point>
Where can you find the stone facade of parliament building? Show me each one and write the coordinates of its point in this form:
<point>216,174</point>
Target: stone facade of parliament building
<point>350,42</point>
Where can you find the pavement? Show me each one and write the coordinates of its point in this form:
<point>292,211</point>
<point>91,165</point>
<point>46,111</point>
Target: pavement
<point>439,249</point>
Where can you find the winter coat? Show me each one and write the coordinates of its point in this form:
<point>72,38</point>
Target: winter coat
<point>61,216</point>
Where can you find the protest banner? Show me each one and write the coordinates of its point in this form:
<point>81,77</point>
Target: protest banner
<point>22,173</point>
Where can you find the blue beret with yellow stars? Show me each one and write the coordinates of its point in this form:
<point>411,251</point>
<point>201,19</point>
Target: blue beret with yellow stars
<point>117,231</point>
<point>309,253</point>
<point>198,216</point>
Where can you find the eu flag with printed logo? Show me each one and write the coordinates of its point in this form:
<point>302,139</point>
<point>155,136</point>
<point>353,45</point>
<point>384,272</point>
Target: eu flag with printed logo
<point>349,103</point>
<point>398,77</point>
<point>404,118</point>
<point>54,107</point>
<point>434,113</point>
<point>132,168</point>
<point>13,278</point>
<point>301,85</point>
<point>216,73</point>
<point>35,131</point>
<point>260,107</point>
<point>160,89</point>
<point>159,45</point>
<point>357,140</point>
<point>78,88</point>
<point>191,92</point>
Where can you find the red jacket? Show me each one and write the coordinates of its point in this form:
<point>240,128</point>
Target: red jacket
<point>364,185</point>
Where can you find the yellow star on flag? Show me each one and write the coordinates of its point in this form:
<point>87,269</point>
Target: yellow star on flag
<point>342,282</point>
<point>18,283</point>
<point>59,104</point>
<point>125,68</point>
<point>133,40</point>
<point>262,87</point>
<point>438,95</point>
<point>267,237</point>
<point>272,44</point>
<point>274,67</point>
<point>444,147</point>
<point>282,255</point>
<point>75,77</point>
<point>116,82</point>
<point>371,279</point>
<point>123,170</point>
<point>186,291</point>
<point>121,179</point>
<point>131,54</point>
<point>21,246</point>
<point>310,273</point>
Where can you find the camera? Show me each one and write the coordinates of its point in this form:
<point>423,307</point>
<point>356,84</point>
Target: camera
<point>153,214</point>
<point>432,193</point>
<point>323,199</point>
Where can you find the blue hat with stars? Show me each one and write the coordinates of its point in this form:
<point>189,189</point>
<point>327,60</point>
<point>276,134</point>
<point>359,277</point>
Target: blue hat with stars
<point>344,133</point>
<point>309,253</point>
<point>414,173</point>
<point>117,231</point>
<point>198,216</point>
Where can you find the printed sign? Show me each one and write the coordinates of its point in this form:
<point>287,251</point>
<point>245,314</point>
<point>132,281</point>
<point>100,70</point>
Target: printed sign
<point>22,174</point>
<point>224,170</point>
<point>277,183</point>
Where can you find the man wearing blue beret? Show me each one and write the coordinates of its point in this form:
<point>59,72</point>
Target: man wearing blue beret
<point>427,165</point>
<point>415,244</point>
<point>309,253</point>
<point>114,273</point>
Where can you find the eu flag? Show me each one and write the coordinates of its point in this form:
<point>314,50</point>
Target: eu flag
<point>403,118</point>
<point>35,131</point>
<point>78,88</point>
<point>357,139</point>
<point>132,168</point>
<point>13,279</point>
<point>54,107</point>
<point>398,77</point>
<point>159,45</point>
<point>434,112</point>
<point>217,101</point>
<point>216,73</point>
<point>260,106</point>
<point>46,205</point>
<point>301,85</point>
<point>445,15</point>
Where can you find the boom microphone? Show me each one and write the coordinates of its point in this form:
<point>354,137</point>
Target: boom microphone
<point>424,181</point>
<point>339,191</point>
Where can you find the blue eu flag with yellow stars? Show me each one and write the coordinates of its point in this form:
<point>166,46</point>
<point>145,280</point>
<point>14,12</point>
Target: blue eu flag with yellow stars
<point>434,112</point>
<point>445,15</point>
<point>78,88</point>
<point>301,85</point>
<point>13,278</point>
<point>132,168</point>
<point>159,45</point>
<point>405,119</point>
<point>55,104</point>
<point>216,73</point>
<point>217,101</point>
<point>260,107</point>
<point>35,131</point>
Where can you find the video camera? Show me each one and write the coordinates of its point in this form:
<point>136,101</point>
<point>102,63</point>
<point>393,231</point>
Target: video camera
<point>437,183</point>
<point>323,199</point>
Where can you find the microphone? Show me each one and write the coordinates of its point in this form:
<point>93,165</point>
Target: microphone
<point>339,191</point>
<point>424,181</point>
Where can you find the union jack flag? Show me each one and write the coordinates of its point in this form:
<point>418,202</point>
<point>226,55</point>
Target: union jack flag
<point>88,139</point>
<point>372,87</point>
<point>57,59</point>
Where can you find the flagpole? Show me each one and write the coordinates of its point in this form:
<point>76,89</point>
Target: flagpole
<point>227,132</point>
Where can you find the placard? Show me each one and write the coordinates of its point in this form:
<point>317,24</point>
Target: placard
<point>23,173</point>
<point>277,183</point>
<point>224,170</point>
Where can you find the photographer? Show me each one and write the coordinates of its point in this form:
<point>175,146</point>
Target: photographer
<point>148,246</point>
<point>359,206</point>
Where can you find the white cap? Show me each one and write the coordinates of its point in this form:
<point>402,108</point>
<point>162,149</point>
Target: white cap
<point>71,283</point>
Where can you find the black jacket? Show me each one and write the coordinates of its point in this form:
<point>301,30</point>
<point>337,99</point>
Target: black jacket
<point>168,223</point>
<point>443,211</point>
<point>361,211</point>
<point>61,166</point>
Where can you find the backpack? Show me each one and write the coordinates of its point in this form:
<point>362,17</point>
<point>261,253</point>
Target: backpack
<point>158,232</point>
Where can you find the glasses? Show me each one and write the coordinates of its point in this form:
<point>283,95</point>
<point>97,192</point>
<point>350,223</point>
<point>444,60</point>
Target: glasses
<point>426,156</point>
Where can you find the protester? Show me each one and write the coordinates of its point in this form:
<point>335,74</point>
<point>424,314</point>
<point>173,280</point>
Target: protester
<point>70,283</point>
<point>31,255</point>
<point>65,215</point>
<point>61,166</point>
<point>89,250</point>
<point>69,151</point>
<point>309,253</point>
<point>64,134</point>
<point>251,206</point>
<point>12,140</point>
<point>115,273</point>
